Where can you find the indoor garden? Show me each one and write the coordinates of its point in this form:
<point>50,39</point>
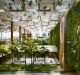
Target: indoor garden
<point>39,36</point>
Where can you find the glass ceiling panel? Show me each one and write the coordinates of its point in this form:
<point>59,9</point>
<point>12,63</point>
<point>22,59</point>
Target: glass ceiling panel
<point>7,1</point>
<point>45,23</point>
<point>35,15</point>
<point>16,7</point>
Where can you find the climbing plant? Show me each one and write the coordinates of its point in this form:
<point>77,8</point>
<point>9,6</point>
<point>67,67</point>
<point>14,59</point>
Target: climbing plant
<point>72,36</point>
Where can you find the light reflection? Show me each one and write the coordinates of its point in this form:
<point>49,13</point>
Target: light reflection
<point>55,73</point>
<point>6,35</point>
<point>2,10</point>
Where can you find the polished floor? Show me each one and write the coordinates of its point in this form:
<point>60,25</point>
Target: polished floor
<point>29,73</point>
<point>38,61</point>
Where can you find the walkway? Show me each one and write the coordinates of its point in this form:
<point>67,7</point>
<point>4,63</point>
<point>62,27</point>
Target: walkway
<point>25,73</point>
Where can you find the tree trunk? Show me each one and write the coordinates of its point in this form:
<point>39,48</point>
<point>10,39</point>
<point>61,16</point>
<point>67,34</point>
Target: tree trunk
<point>31,59</point>
<point>2,54</point>
<point>44,59</point>
<point>25,58</point>
<point>12,58</point>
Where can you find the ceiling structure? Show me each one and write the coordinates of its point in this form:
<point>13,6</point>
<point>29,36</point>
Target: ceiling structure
<point>33,15</point>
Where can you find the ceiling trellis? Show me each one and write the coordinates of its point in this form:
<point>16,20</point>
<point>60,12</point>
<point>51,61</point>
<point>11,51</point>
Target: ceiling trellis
<point>31,13</point>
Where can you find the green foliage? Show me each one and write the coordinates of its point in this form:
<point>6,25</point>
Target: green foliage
<point>42,68</point>
<point>54,37</point>
<point>72,37</point>
<point>3,49</point>
<point>15,67</point>
<point>42,42</point>
<point>45,42</point>
<point>2,42</point>
<point>13,47</point>
<point>44,52</point>
<point>30,46</point>
<point>77,0</point>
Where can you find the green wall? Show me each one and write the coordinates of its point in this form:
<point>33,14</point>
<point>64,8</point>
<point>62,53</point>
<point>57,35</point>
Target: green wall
<point>54,36</point>
<point>72,36</point>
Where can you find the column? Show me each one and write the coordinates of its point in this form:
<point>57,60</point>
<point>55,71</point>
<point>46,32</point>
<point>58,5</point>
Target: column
<point>61,55</point>
<point>24,33</point>
<point>20,33</point>
<point>11,31</point>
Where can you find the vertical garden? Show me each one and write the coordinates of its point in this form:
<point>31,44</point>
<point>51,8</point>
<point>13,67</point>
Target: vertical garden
<point>54,36</point>
<point>72,36</point>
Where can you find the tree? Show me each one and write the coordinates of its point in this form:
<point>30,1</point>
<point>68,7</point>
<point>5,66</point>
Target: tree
<point>13,48</point>
<point>32,48</point>
<point>24,48</point>
<point>44,52</point>
<point>29,46</point>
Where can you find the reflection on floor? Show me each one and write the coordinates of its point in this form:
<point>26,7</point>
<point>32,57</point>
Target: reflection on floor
<point>30,73</point>
<point>37,61</point>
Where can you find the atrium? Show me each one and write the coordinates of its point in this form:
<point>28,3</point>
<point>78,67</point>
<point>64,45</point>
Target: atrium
<point>40,36</point>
